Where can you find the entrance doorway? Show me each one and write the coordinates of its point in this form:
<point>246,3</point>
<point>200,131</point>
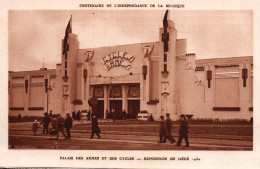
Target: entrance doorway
<point>100,109</point>
<point>133,108</point>
<point>117,105</point>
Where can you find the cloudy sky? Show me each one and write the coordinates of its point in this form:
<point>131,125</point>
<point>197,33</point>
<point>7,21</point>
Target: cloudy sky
<point>36,35</point>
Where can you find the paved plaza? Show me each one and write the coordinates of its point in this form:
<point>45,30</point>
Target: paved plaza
<point>133,135</point>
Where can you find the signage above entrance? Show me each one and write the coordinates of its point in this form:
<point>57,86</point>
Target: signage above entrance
<point>118,59</point>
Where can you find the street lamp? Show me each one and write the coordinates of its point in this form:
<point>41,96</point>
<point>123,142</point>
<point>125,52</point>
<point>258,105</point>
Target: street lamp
<point>48,89</point>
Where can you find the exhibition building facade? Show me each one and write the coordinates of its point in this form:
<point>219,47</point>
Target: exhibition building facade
<point>154,77</point>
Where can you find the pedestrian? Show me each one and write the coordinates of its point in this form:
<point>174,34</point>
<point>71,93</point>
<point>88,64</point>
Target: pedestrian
<point>35,127</point>
<point>50,115</point>
<point>45,121</point>
<point>78,115</point>
<point>68,125</point>
<point>163,129</point>
<point>19,116</point>
<point>120,116</point>
<point>124,114</point>
<point>61,126</point>
<point>113,114</point>
<point>169,129</point>
<point>74,115</point>
<point>107,114</point>
<point>55,125</point>
<point>183,132</point>
<point>94,127</point>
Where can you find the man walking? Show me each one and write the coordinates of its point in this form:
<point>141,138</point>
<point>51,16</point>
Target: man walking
<point>45,121</point>
<point>163,133</point>
<point>68,125</point>
<point>61,126</point>
<point>94,127</point>
<point>184,129</point>
<point>169,129</point>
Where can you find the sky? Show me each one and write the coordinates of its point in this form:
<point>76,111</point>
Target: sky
<point>35,36</point>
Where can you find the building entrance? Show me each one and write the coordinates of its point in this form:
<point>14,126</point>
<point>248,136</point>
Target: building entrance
<point>117,105</point>
<point>133,108</point>
<point>100,109</point>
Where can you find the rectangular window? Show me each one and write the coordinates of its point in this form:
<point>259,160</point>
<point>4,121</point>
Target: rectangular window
<point>165,58</point>
<point>165,67</point>
<point>227,92</point>
<point>66,64</point>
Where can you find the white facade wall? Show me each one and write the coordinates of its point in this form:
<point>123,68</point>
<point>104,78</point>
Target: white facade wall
<point>183,89</point>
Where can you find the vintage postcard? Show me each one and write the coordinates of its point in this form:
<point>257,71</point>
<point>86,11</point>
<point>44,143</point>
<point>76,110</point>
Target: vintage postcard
<point>129,84</point>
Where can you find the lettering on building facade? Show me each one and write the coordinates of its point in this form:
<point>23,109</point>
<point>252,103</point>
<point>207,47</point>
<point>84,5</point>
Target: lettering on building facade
<point>118,59</point>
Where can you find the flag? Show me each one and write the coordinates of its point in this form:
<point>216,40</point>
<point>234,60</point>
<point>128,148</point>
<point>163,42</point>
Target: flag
<point>165,24</point>
<point>68,30</point>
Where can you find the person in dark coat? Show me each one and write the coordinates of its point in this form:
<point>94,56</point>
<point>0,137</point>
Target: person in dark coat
<point>19,116</point>
<point>113,111</point>
<point>163,130</point>
<point>94,127</point>
<point>50,115</point>
<point>68,125</point>
<point>169,129</point>
<point>123,114</point>
<point>184,129</point>
<point>45,121</point>
<point>55,126</point>
<point>61,126</point>
<point>78,115</point>
<point>74,115</point>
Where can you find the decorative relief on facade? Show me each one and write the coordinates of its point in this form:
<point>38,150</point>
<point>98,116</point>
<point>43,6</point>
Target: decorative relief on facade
<point>164,102</point>
<point>88,55</point>
<point>226,65</point>
<point>148,49</point>
<point>165,94</point>
<point>115,92</point>
<point>66,90</point>
<point>98,92</point>
<point>134,91</point>
<point>118,59</point>
<point>65,78</point>
<point>165,74</point>
<point>190,62</point>
<point>165,88</point>
<point>199,78</point>
<point>199,68</point>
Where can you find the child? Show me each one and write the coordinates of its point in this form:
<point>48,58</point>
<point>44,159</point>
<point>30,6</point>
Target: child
<point>35,127</point>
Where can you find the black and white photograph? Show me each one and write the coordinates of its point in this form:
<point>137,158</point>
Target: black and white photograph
<point>102,84</point>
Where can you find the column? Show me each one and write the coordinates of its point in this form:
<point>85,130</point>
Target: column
<point>124,97</point>
<point>105,100</point>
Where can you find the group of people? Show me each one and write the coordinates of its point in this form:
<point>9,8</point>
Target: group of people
<point>116,115</point>
<point>166,128</point>
<point>58,125</point>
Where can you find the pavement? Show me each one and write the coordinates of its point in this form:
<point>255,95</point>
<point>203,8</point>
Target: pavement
<point>139,136</point>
